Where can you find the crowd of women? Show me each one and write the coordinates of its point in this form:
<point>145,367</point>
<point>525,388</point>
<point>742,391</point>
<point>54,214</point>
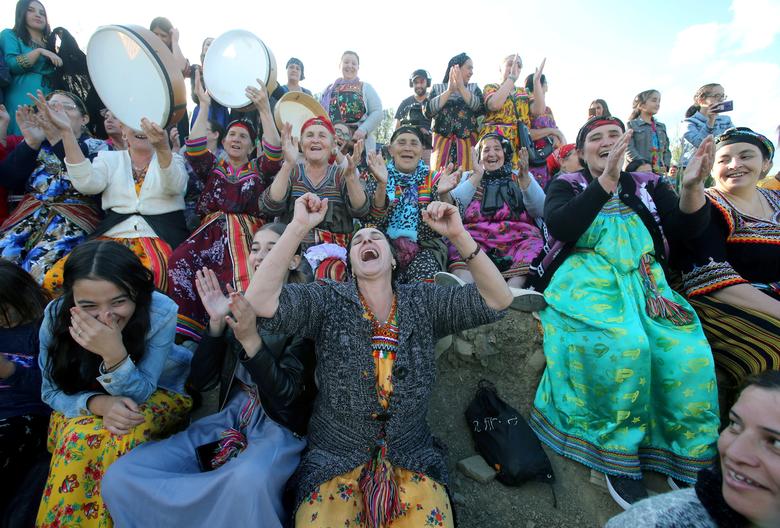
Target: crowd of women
<point>308,273</point>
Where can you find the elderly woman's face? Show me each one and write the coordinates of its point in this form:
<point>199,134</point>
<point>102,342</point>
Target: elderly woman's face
<point>406,151</point>
<point>492,154</point>
<point>136,139</point>
<point>61,102</point>
<point>237,143</point>
<point>598,144</point>
<point>317,143</point>
<point>349,66</point>
<point>739,166</point>
<point>370,255</point>
<point>750,456</point>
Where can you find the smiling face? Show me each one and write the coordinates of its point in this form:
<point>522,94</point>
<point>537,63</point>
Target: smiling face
<point>136,140</point>
<point>467,70</point>
<point>317,143</point>
<point>406,151</point>
<point>420,86</point>
<point>349,66</point>
<point>370,255</point>
<point>237,144</point>
<point>343,138</point>
<point>35,18</point>
<point>598,144</point>
<point>61,102</point>
<point>738,167</point>
<point>750,456</point>
<point>104,301</point>
<point>652,104</point>
<point>492,154</point>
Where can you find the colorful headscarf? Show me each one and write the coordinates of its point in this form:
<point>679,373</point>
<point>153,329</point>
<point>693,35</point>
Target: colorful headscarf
<point>319,120</point>
<point>592,124</point>
<point>407,129</point>
<point>499,186</point>
<point>246,125</point>
<point>404,188</point>
<point>555,159</point>
<point>746,135</point>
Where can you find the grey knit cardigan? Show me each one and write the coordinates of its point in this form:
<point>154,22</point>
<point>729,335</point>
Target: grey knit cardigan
<point>344,424</point>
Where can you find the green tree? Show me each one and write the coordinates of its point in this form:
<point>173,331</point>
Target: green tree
<point>385,129</point>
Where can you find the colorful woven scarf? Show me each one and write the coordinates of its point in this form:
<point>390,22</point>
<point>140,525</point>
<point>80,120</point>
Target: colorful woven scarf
<point>234,440</point>
<point>656,305</point>
<point>498,188</point>
<point>403,195</point>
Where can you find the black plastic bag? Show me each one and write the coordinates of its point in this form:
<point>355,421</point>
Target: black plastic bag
<point>505,440</point>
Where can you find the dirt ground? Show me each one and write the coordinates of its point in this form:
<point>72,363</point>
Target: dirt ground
<point>508,353</point>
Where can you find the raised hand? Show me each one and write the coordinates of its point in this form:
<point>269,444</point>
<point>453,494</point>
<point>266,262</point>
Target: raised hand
<point>5,118</point>
<point>454,80</point>
<point>258,96</point>
<point>56,118</point>
<point>289,145</point>
<point>538,76</point>
<point>359,135</point>
<point>616,157</point>
<point>155,134</point>
<point>523,167</point>
<point>244,323</point>
<point>103,339</point>
<point>476,165</point>
<point>443,218</point>
<point>214,301</point>
<point>310,211</point>
<point>700,165</point>
<point>353,160</point>
<point>33,134</point>
<point>175,141</point>
<point>377,166</point>
<point>122,416</point>
<point>448,179</point>
<point>203,95</point>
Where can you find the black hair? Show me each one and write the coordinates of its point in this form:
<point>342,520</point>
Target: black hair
<point>634,165</point>
<point>458,60</point>
<point>73,368</point>
<point>20,22</point>
<point>348,52</point>
<point>640,99</point>
<point>768,379</point>
<point>529,82</point>
<point>217,127</point>
<point>393,252</point>
<point>603,104</point>
<point>303,273</point>
<point>20,292</point>
<point>703,91</point>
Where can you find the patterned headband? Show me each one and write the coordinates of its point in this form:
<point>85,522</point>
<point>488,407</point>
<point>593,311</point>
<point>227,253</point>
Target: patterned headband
<point>746,135</point>
<point>594,123</point>
<point>318,120</point>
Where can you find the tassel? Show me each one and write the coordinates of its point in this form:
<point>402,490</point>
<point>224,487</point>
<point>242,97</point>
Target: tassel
<point>658,306</point>
<point>234,440</point>
<point>381,501</point>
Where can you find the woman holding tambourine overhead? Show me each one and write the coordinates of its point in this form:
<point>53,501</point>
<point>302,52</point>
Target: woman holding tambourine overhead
<point>228,206</point>
<point>354,102</point>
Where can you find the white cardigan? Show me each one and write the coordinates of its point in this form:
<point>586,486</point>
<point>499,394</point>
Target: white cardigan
<point>111,173</point>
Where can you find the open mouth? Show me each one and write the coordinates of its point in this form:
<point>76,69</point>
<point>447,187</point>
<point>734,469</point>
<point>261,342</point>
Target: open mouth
<point>739,477</point>
<point>369,255</point>
<point>142,137</point>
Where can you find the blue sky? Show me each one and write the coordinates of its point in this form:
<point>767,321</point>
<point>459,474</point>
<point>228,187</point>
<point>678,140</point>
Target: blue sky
<point>609,49</point>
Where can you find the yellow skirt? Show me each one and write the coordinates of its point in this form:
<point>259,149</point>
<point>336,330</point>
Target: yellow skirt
<point>81,452</point>
<point>338,503</point>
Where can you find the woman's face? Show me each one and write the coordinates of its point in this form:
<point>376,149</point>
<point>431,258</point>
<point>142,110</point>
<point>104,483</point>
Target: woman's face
<point>750,456</point>
<point>237,143</point>
<point>739,166</point>
<point>349,66</point>
<point>317,143</point>
<point>570,162</point>
<point>370,255</point>
<point>466,71</point>
<point>35,19</point>
<point>62,103</point>
<point>596,109</point>
<point>714,95</point>
<point>406,151</point>
<point>136,140</point>
<point>262,244</point>
<point>111,123</point>
<point>293,73</point>
<point>652,104</point>
<point>343,138</point>
<point>104,300</point>
<point>598,144</point>
<point>492,154</point>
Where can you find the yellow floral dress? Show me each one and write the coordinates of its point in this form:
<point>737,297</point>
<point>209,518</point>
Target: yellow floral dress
<point>339,502</point>
<point>516,108</point>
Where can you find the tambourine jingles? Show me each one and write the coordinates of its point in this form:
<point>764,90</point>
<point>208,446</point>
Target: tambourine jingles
<point>136,76</point>
<point>235,60</point>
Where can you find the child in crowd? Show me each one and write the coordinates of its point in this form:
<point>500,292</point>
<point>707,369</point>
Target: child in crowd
<point>650,141</point>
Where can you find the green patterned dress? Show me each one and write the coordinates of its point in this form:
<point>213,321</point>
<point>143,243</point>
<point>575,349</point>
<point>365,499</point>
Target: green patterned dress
<point>624,391</point>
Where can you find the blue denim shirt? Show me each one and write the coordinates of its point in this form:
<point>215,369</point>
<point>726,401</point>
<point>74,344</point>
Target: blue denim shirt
<point>164,364</point>
<point>695,128</point>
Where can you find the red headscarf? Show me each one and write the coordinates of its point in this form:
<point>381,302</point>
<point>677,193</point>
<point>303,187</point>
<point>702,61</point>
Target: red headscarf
<point>318,120</point>
<point>554,160</point>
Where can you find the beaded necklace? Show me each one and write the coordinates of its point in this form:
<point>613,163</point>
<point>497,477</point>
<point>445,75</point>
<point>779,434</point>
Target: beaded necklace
<point>384,336</point>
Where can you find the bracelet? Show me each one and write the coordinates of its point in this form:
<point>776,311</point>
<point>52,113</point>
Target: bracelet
<point>474,254</point>
<point>104,370</point>
<point>23,61</point>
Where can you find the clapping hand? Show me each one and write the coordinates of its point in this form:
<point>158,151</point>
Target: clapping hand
<point>244,323</point>
<point>448,179</point>
<point>443,218</point>
<point>476,164</point>
<point>289,145</point>
<point>616,157</point>
<point>538,76</point>
<point>5,118</point>
<point>33,134</point>
<point>454,81</point>
<point>378,167</point>
<point>175,141</point>
<point>310,211</point>
<point>700,165</point>
<point>524,179</point>
<point>50,116</point>
<point>214,301</point>
<point>353,160</point>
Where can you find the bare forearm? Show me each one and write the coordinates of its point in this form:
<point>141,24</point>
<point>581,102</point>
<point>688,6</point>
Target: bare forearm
<point>498,98</point>
<point>692,198</point>
<point>355,190</point>
<point>539,133</point>
<point>490,283</point>
<point>200,127</point>
<point>266,284</point>
<point>747,296</point>
<point>281,183</point>
<point>380,196</point>
<point>100,405</point>
<point>270,133</point>
<point>70,144</point>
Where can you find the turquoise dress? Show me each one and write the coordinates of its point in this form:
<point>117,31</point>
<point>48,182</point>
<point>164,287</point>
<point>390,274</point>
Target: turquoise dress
<point>624,391</point>
<point>23,80</point>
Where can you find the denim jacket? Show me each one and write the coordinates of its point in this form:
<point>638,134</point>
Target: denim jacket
<point>694,129</point>
<point>164,364</point>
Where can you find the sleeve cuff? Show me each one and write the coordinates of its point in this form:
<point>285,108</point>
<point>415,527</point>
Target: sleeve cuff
<point>113,381</point>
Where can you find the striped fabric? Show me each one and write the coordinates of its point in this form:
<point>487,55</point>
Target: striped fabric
<point>452,149</point>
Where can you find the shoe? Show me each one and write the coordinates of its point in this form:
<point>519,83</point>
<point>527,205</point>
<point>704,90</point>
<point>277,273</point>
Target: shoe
<point>527,300</point>
<point>626,491</point>
<point>443,278</point>
<point>676,484</point>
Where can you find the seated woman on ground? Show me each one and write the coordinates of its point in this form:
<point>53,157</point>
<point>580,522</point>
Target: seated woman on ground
<point>111,373</point>
<point>401,189</point>
<point>228,205</point>
<point>502,211</point>
<point>141,190</point>
<point>741,490</point>
<point>52,217</point>
<point>316,172</point>
<point>630,380</point>
<point>732,271</point>
<point>23,416</point>
<point>266,392</point>
<point>368,436</point>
